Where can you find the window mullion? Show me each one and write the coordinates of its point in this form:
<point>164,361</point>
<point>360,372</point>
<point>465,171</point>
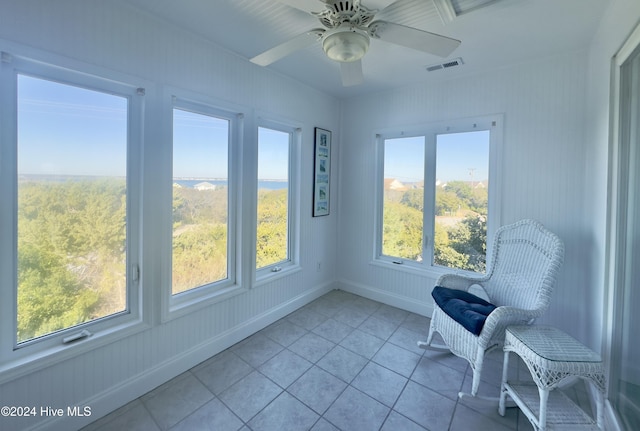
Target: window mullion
<point>8,181</point>
<point>429,198</point>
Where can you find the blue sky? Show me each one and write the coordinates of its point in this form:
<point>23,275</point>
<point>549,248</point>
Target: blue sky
<point>458,154</point>
<point>65,130</point>
<point>273,154</point>
<point>199,145</point>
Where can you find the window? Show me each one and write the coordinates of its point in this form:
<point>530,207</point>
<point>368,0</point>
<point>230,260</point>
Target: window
<point>434,195</point>
<point>461,200</point>
<point>275,201</point>
<point>403,197</point>
<point>622,317</point>
<point>72,263</point>
<point>201,234</point>
<point>205,213</point>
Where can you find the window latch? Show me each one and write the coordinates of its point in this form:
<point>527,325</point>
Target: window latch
<point>135,272</point>
<point>77,336</point>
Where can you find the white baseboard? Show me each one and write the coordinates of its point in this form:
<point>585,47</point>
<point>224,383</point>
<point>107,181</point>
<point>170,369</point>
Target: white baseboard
<point>125,392</point>
<point>389,298</point>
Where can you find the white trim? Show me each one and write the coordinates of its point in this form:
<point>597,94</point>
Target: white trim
<point>494,123</point>
<point>617,217</point>
<point>29,357</point>
<point>173,306</point>
<point>291,264</point>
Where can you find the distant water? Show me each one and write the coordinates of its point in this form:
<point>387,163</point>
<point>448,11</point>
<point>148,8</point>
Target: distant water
<point>262,184</point>
<point>270,184</point>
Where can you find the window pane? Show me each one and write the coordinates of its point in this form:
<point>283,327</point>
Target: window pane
<point>200,200</point>
<point>462,185</point>
<point>402,224</point>
<point>624,380</point>
<point>272,242</point>
<point>72,195</point>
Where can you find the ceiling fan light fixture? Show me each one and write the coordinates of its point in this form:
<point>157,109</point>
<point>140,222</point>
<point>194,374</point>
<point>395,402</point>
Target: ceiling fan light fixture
<point>346,46</point>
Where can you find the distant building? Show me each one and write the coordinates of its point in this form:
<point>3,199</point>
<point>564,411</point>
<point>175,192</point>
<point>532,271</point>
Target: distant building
<point>480,184</point>
<point>205,185</point>
<point>473,184</point>
<point>393,184</point>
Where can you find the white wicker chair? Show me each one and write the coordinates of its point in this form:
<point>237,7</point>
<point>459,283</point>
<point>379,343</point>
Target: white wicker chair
<point>520,278</point>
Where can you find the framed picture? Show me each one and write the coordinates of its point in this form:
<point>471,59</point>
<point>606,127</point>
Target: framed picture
<point>321,172</point>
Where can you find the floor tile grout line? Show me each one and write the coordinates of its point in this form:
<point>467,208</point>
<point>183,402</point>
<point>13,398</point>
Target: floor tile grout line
<point>370,312</point>
<point>144,405</point>
<point>216,396</point>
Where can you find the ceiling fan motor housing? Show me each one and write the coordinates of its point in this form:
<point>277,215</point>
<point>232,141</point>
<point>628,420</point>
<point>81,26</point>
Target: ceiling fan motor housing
<point>346,45</point>
<point>348,37</point>
<point>340,12</point>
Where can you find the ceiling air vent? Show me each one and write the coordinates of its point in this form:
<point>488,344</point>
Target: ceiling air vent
<point>447,64</point>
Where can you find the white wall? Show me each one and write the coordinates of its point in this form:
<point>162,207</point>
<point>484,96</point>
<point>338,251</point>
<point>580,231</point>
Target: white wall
<point>543,172</point>
<point>117,38</point>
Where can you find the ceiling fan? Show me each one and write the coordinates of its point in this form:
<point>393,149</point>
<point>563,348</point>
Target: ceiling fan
<point>348,29</point>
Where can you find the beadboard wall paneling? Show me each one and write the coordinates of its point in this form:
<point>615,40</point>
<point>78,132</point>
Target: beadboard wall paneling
<point>543,171</point>
<point>118,38</point>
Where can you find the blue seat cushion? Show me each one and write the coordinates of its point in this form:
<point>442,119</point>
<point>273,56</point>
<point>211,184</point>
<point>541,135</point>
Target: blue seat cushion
<point>465,308</point>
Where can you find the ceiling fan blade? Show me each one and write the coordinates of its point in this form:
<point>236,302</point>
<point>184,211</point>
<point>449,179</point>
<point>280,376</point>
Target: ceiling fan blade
<point>351,73</point>
<point>378,5</point>
<point>430,43</point>
<point>289,47</point>
<point>308,6</point>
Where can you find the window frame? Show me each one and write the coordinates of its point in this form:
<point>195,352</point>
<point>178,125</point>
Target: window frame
<point>280,269</point>
<point>24,355</point>
<point>180,304</point>
<point>430,131</point>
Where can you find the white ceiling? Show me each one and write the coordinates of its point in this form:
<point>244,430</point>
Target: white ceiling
<point>501,33</point>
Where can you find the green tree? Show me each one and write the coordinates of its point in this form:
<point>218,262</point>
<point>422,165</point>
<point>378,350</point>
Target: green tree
<point>413,198</point>
<point>447,202</point>
<point>272,229</point>
<point>71,253</point>
<point>402,231</point>
<point>462,189</point>
<point>443,252</point>
<point>49,297</point>
<point>199,256</point>
<point>199,237</point>
<point>479,200</point>
<point>463,245</point>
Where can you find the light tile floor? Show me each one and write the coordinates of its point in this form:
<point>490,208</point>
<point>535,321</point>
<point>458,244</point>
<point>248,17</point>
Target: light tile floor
<point>342,362</point>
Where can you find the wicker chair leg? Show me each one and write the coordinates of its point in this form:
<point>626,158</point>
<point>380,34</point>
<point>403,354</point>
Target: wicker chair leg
<point>436,347</point>
<point>477,371</point>
<point>428,344</point>
<point>476,368</point>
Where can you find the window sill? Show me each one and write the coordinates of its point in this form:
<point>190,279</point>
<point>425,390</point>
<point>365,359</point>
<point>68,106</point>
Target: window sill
<point>411,268</point>
<point>14,368</point>
<point>193,301</point>
<point>266,276</point>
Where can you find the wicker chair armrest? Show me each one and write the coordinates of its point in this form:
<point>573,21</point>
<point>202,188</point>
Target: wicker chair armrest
<point>500,318</point>
<point>459,282</point>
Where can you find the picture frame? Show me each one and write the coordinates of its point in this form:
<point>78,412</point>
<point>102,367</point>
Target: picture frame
<point>321,172</point>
